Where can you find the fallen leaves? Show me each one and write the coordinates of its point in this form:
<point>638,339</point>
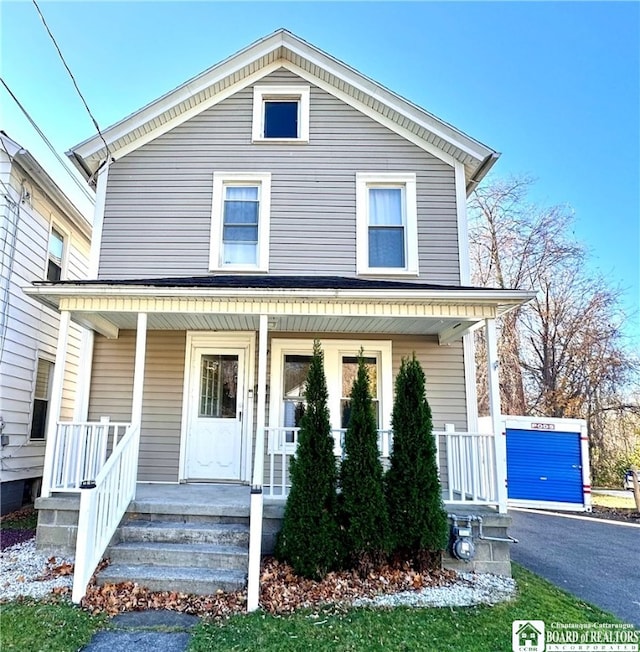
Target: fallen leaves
<point>281,592</point>
<point>128,596</point>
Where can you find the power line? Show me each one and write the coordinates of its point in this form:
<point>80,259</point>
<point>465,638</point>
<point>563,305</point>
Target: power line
<point>73,79</point>
<point>48,142</point>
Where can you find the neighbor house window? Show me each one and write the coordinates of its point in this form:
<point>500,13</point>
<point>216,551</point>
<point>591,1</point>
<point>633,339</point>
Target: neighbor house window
<point>240,221</point>
<point>280,113</point>
<point>41,397</point>
<point>387,223</point>
<point>55,255</point>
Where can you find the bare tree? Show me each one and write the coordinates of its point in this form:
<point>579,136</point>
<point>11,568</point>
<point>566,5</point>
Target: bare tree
<point>563,354</point>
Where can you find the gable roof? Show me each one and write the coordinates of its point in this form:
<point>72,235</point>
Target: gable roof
<point>19,155</point>
<point>284,49</point>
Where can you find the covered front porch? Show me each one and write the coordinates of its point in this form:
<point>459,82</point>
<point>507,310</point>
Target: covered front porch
<point>252,330</point>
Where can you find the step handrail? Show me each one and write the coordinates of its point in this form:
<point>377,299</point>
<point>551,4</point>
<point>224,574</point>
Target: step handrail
<point>102,506</point>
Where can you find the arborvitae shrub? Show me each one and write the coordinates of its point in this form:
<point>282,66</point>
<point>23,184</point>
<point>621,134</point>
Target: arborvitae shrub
<point>419,527</point>
<point>309,537</point>
<point>363,512</point>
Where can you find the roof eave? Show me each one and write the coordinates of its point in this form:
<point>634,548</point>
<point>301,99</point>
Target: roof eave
<point>89,148</point>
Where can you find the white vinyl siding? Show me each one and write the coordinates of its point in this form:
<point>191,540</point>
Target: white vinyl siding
<point>32,328</point>
<point>158,206</point>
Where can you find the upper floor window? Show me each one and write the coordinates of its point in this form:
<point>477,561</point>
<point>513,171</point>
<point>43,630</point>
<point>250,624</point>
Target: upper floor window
<point>280,113</point>
<point>240,221</point>
<point>41,397</point>
<point>55,255</point>
<point>387,223</point>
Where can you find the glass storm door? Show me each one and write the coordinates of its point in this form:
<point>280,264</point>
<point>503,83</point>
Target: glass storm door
<point>214,449</point>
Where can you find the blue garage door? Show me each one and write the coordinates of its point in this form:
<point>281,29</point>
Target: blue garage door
<point>544,466</point>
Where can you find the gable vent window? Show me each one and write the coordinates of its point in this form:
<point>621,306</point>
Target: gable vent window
<point>56,255</point>
<point>281,118</point>
<point>280,114</point>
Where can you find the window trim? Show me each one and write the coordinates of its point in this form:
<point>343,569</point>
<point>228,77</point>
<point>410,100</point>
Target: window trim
<point>406,180</point>
<point>41,355</point>
<point>220,181</point>
<point>262,93</point>
<point>66,243</point>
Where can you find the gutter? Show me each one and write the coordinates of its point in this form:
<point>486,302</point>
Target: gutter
<point>481,171</point>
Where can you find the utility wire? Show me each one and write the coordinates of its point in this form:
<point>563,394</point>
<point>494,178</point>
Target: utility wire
<point>48,143</point>
<point>73,79</point>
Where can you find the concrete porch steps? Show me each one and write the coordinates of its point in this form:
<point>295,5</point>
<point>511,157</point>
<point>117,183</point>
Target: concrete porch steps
<point>195,543</point>
<point>184,579</point>
<point>179,532</point>
<point>198,555</point>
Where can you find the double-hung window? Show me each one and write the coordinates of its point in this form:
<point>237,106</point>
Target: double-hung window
<point>280,113</point>
<point>55,256</point>
<point>41,397</point>
<point>387,223</point>
<point>240,221</point>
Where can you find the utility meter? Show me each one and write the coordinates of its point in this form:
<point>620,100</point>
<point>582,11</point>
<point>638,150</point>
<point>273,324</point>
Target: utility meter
<point>462,542</point>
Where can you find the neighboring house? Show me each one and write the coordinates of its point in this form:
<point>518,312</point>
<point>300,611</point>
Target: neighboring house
<point>43,237</point>
<point>278,197</point>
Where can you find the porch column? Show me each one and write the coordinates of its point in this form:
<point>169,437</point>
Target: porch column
<point>83,387</point>
<point>138,369</point>
<point>255,520</point>
<point>55,403</point>
<point>499,436</point>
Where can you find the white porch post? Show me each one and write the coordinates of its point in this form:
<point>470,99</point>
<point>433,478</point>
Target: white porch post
<point>81,408</point>
<point>138,379</point>
<point>499,437</point>
<point>255,522</point>
<point>55,403</point>
<point>138,369</point>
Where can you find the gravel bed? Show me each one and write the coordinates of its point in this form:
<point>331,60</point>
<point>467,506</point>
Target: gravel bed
<point>26,572</point>
<point>470,589</point>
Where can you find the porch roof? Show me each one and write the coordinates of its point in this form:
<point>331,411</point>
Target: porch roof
<point>293,303</point>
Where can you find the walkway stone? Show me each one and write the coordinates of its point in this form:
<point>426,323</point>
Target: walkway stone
<point>145,631</point>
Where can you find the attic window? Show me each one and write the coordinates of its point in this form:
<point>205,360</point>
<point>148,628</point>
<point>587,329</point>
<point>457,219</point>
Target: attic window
<point>280,114</point>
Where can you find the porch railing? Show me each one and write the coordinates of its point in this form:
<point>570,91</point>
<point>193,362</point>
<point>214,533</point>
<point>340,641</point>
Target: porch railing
<point>80,451</point>
<point>466,462</point>
<point>103,506</point>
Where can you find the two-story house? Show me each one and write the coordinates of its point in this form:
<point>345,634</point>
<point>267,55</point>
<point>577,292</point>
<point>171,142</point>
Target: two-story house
<point>43,236</point>
<point>278,197</point>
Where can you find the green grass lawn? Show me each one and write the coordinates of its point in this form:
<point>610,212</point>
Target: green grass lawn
<point>616,502</point>
<point>30,626</point>
<point>469,629</point>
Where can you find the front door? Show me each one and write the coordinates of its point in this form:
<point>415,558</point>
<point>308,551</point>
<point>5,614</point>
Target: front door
<point>214,433</point>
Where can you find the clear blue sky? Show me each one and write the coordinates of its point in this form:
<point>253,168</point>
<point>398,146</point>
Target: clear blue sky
<point>553,86</point>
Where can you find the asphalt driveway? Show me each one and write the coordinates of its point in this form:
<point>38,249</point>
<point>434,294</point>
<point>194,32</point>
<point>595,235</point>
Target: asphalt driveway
<point>595,560</point>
